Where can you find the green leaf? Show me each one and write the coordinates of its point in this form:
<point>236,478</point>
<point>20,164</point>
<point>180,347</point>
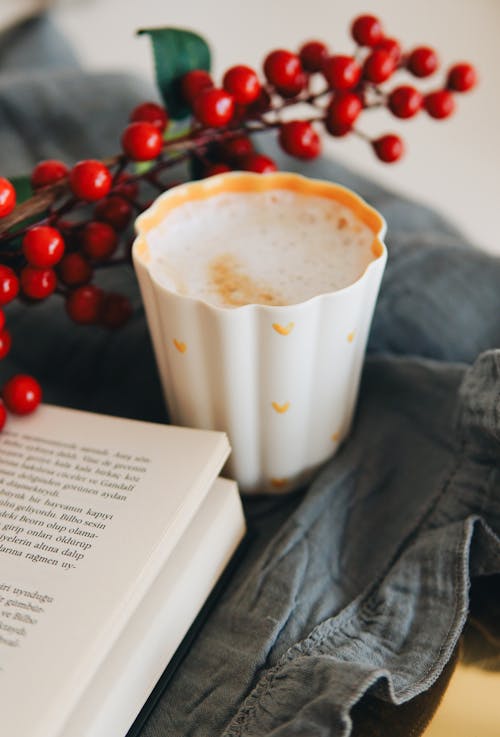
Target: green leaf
<point>142,167</point>
<point>176,52</point>
<point>176,129</point>
<point>22,185</point>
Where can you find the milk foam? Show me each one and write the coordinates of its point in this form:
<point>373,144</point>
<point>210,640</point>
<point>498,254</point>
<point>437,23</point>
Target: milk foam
<point>274,247</point>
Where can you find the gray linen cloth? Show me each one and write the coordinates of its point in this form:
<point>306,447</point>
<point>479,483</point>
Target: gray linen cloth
<point>360,583</point>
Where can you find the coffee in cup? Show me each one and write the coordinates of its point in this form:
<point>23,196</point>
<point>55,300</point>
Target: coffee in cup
<point>272,248</point>
<point>259,292</point>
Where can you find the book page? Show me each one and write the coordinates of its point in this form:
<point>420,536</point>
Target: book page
<point>90,508</point>
<point>152,635</point>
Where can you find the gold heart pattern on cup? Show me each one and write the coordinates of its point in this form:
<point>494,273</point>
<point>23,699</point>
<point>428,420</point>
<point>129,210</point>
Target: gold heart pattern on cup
<point>283,329</point>
<point>181,347</point>
<point>281,408</point>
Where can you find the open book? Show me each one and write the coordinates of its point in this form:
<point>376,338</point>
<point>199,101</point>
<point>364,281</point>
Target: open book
<point>113,532</point>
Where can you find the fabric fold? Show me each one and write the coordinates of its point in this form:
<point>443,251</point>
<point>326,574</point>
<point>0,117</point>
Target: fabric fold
<point>396,638</point>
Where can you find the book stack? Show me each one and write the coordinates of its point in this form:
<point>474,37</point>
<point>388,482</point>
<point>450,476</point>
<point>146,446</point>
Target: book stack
<point>113,534</point>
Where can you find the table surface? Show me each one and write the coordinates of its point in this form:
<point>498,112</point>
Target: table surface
<point>453,165</point>
<point>470,706</point>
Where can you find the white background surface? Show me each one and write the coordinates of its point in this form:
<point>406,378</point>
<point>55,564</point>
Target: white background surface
<point>452,165</point>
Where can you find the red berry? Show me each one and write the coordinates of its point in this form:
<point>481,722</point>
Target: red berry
<point>43,246</point>
<point>114,210</point>
<point>388,148</point>
<point>298,138</point>
<point>405,101</point>
<point>90,180</point>
<point>2,319</point>
<point>9,284</point>
<point>65,227</point>
<point>392,46</point>
<point>99,240</point>
<point>234,148</point>
<point>3,415</point>
<point>47,172</point>
<point>439,104</point>
<point>142,141</point>
<point>22,394</point>
<point>115,311</point>
<point>261,104</point>
<point>462,77</point>
<point>5,343</point>
<point>150,112</point>
<point>342,72</point>
<point>214,107</point>
<point>295,87</point>
<point>242,83</point>
<point>338,130</point>
<point>281,68</point>
<point>195,82</point>
<point>215,169</point>
<point>7,197</point>
<point>125,186</point>
<point>38,283</point>
<point>366,30</point>
<point>84,304</point>
<point>258,163</point>
<point>422,62</point>
<point>312,55</point>
<point>378,66</point>
<point>342,112</point>
<point>75,270</point>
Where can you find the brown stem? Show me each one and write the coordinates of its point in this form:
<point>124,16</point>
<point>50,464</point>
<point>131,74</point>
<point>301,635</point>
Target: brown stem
<point>309,99</point>
<point>40,202</point>
<point>119,169</point>
<point>10,254</point>
<point>361,135</point>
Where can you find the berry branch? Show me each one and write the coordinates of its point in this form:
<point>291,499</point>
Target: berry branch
<point>76,220</point>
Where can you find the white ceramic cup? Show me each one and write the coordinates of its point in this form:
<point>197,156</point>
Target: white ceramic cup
<point>282,381</point>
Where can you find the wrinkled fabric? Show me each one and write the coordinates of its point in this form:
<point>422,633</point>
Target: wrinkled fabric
<point>361,582</point>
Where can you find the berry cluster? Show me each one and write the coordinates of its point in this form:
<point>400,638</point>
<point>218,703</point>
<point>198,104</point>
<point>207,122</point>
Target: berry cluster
<point>60,255</point>
<point>84,211</point>
<point>339,88</point>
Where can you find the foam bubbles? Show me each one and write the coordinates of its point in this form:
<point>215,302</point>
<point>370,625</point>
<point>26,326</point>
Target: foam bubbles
<point>274,247</point>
